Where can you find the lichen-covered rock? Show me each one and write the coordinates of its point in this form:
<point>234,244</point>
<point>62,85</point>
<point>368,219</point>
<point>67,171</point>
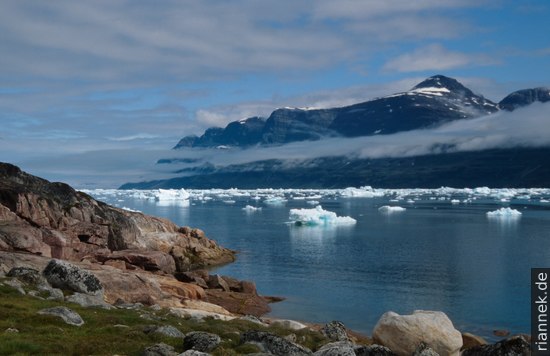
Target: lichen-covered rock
<point>424,350</point>
<point>335,330</point>
<point>161,349</point>
<point>514,346</point>
<point>69,316</point>
<point>28,275</point>
<point>64,275</point>
<point>201,341</point>
<point>166,330</point>
<point>404,333</point>
<point>338,348</point>
<point>373,350</point>
<point>274,344</point>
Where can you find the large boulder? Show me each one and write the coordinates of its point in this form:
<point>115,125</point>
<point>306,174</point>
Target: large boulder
<point>338,348</point>
<point>373,350</point>
<point>64,275</point>
<point>274,344</point>
<point>404,333</point>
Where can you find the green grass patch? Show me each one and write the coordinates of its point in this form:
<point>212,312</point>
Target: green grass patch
<point>116,331</point>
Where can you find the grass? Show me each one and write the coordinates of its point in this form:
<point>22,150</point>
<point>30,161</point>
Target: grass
<point>117,331</point>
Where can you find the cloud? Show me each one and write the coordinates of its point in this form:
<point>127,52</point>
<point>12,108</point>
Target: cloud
<point>435,57</point>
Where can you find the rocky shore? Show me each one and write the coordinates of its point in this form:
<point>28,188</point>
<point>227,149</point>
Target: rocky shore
<point>61,245</point>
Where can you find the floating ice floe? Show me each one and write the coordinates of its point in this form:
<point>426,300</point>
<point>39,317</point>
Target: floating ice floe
<point>275,201</point>
<point>318,217</point>
<point>455,201</point>
<point>504,213</point>
<point>251,209</point>
<point>391,209</point>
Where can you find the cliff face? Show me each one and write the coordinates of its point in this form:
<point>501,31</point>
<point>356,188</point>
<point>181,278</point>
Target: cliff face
<point>54,220</point>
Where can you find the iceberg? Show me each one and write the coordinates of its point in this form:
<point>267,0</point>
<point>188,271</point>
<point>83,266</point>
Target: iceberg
<point>390,209</point>
<point>504,213</point>
<point>251,209</point>
<point>318,217</point>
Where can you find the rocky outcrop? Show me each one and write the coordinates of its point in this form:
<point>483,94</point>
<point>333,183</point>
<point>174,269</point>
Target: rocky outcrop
<point>54,220</point>
<point>404,333</point>
<point>516,346</point>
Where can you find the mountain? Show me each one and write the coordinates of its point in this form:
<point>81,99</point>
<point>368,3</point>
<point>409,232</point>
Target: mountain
<point>431,103</point>
<point>436,100</point>
<point>524,97</point>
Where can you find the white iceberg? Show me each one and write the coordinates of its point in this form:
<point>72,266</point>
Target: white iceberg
<point>251,209</point>
<point>391,209</point>
<point>505,213</point>
<point>318,217</point>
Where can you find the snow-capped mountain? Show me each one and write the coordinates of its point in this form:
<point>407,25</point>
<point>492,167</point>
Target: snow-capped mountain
<point>436,100</point>
<point>524,97</point>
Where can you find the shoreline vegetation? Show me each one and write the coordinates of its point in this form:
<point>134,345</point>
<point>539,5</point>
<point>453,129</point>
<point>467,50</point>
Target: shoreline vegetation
<point>78,276</point>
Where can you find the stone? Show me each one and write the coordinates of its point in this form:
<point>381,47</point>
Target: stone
<point>290,337</point>
<point>217,282</point>
<point>338,348</point>
<point>16,284</point>
<point>88,301</point>
<point>56,294</point>
<point>288,324</point>
<point>248,287</point>
<point>191,277</point>
<point>201,341</point>
<point>11,331</point>
<point>335,330</point>
<point>373,350</point>
<point>404,333</point>
<point>147,260</point>
<point>166,330</point>
<point>471,340</point>
<point>28,275</point>
<point>69,316</point>
<point>274,344</point>
<point>64,275</point>
<point>197,314</point>
<point>501,333</point>
<point>253,319</point>
<point>239,303</point>
<point>161,349</point>
<point>424,350</point>
<point>21,236</point>
<point>514,346</point>
<point>194,353</point>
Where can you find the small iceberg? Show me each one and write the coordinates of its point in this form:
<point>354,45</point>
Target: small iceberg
<point>391,209</point>
<point>504,213</point>
<point>318,217</point>
<point>251,209</point>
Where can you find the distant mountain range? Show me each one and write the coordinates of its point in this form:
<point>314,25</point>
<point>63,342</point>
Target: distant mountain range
<point>433,102</point>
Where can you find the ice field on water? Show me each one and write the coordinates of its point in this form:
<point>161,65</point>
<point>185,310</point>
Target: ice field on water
<point>353,254</point>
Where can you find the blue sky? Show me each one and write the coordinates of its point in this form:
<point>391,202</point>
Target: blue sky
<point>107,83</point>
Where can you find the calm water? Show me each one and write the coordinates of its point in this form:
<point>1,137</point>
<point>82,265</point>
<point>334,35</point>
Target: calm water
<point>436,255</point>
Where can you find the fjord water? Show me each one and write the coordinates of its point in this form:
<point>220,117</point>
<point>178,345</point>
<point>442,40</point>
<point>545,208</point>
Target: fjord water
<point>436,255</point>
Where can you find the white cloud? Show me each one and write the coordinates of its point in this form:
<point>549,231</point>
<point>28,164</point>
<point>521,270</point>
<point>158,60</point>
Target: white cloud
<point>434,57</point>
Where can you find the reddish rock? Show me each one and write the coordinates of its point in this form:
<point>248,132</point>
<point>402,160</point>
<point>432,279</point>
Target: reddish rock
<point>217,282</point>
<point>239,303</point>
<point>147,260</point>
<point>501,332</point>
<point>248,287</point>
<point>471,340</point>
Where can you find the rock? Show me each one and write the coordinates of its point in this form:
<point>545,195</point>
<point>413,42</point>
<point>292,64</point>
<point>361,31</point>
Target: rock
<point>239,303</point>
<point>288,324</point>
<point>56,294</point>
<point>217,282</point>
<point>404,333</point>
<point>424,350</point>
<point>88,301</point>
<point>471,340</point>
<point>248,287</point>
<point>335,330</point>
<point>373,350</point>
<point>501,333</point>
<point>69,316</point>
<point>27,275</point>
<point>193,353</point>
<point>274,344</point>
<point>166,330</point>
<point>160,350</point>
<point>11,331</point>
<point>514,346</point>
<point>147,260</point>
<point>253,319</point>
<point>16,284</point>
<point>198,314</point>
<point>155,307</point>
<point>290,337</point>
<point>62,274</point>
<point>191,277</point>
<point>201,341</point>
<point>338,348</point>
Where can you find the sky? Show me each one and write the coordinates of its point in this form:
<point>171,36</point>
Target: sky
<point>93,93</point>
